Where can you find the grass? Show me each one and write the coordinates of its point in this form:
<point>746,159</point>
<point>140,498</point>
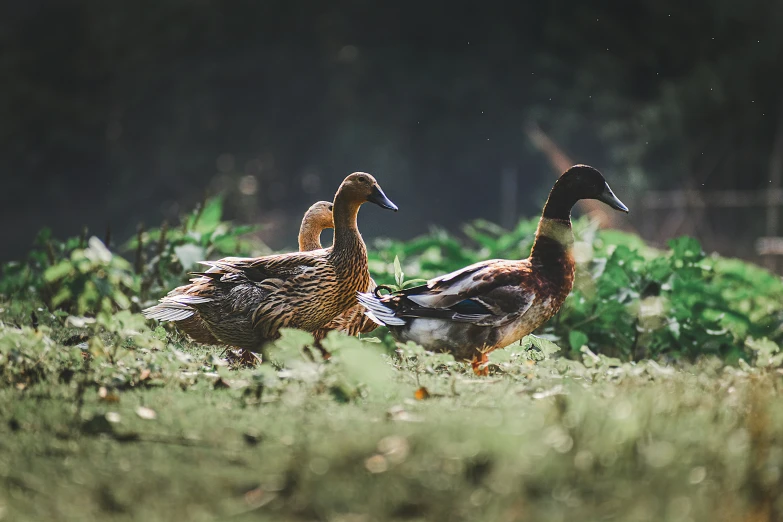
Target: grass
<point>661,401</point>
<point>150,427</point>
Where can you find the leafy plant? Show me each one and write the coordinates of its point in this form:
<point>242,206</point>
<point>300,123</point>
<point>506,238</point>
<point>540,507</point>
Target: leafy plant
<point>630,301</point>
<point>82,276</point>
<point>91,280</point>
<point>164,255</point>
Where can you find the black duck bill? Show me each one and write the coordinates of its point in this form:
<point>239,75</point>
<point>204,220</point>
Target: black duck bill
<point>379,198</point>
<point>608,197</point>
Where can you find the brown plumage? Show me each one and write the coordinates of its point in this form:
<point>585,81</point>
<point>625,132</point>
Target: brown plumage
<point>244,302</point>
<point>317,219</point>
<point>491,304</point>
<point>353,321</point>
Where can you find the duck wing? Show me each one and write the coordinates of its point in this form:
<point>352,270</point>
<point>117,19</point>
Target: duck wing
<point>235,282</point>
<point>237,270</point>
<point>489,293</point>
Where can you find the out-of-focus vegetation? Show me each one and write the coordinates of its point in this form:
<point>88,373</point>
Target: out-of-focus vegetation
<point>651,396</point>
<point>140,425</point>
<point>630,301</point>
<point>81,275</point>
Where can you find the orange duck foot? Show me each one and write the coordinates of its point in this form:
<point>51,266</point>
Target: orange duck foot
<point>480,364</point>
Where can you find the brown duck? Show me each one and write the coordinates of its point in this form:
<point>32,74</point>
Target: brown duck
<point>491,304</point>
<point>317,219</point>
<point>244,302</point>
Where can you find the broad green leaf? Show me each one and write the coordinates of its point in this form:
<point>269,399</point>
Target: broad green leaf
<point>290,345</point>
<point>97,251</point>
<point>546,347</point>
<point>63,295</point>
<point>209,218</point>
<point>686,249</point>
<point>189,255</point>
<point>500,356</point>
<point>360,363</point>
<point>58,271</point>
<point>577,339</point>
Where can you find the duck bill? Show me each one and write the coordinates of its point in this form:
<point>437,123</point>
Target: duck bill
<point>608,197</point>
<point>379,198</point>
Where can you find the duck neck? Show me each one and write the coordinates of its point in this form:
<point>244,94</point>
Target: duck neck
<point>554,242</point>
<point>348,243</point>
<point>554,237</point>
<point>309,237</point>
<point>559,204</point>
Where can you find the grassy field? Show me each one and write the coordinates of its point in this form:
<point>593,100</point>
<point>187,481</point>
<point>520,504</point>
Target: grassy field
<point>135,424</point>
<point>660,401</point>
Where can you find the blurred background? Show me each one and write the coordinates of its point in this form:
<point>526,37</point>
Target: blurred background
<point>116,113</point>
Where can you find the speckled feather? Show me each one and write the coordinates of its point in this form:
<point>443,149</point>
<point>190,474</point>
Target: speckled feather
<point>244,302</point>
<point>352,322</point>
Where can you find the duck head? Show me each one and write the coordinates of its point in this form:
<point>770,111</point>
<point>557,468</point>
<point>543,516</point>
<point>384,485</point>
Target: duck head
<point>360,187</point>
<point>579,182</point>
<point>319,216</point>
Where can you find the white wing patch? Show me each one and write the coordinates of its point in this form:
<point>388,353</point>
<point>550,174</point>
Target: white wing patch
<point>377,311</point>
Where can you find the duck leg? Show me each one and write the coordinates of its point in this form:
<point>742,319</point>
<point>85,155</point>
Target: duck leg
<point>318,336</point>
<point>480,364</point>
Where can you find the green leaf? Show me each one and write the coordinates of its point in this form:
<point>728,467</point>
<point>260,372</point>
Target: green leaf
<point>225,245</point>
<point>63,295</point>
<point>360,363</point>
<point>58,271</point>
<point>410,349</point>
<point>97,251</point>
<point>122,300</point>
<point>189,255</point>
<point>546,347</point>
<point>500,356</point>
<point>209,218</point>
<point>398,273</point>
<point>289,347</point>
<point>686,249</point>
<point>241,230</point>
<point>577,339</point>
<point>765,350</point>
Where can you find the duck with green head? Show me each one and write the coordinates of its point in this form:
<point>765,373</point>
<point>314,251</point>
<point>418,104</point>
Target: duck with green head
<point>491,304</point>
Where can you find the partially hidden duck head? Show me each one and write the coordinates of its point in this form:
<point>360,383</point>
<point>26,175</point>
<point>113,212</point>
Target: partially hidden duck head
<point>317,219</point>
<point>579,182</point>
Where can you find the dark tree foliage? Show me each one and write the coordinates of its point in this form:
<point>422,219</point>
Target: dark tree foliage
<point>119,112</point>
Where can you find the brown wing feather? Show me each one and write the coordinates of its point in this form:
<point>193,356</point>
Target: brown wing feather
<point>487,294</point>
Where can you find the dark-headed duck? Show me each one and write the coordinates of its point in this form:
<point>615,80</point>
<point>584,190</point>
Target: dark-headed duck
<point>491,304</point>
